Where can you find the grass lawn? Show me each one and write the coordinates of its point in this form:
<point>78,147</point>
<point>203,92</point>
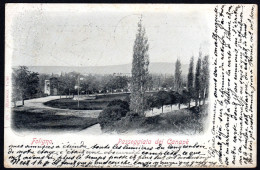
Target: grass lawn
<point>23,119</point>
<point>183,121</point>
<point>94,104</point>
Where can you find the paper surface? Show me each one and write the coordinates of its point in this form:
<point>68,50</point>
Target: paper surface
<point>100,42</point>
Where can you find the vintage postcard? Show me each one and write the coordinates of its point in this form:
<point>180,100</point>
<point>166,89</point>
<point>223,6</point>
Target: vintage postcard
<point>130,85</point>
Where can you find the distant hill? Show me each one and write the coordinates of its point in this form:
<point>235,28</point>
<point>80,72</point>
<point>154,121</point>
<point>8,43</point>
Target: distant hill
<point>158,68</point>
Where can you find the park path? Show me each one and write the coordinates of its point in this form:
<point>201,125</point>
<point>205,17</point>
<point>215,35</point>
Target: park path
<point>38,106</point>
<point>166,109</point>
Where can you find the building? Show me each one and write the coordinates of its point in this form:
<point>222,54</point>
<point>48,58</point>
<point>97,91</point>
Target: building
<point>51,87</point>
<point>47,88</point>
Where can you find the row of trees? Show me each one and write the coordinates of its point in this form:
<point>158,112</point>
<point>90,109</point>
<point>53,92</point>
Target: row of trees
<point>27,84</point>
<point>196,87</point>
<point>161,98</point>
<point>88,84</point>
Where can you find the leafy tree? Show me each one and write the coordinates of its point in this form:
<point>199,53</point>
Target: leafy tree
<point>190,80</point>
<point>162,97</point>
<point>198,81</point>
<point>140,73</point>
<point>25,84</point>
<point>116,82</point>
<point>184,98</point>
<point>104,83</point>
<point>121,82</point>
<point>177,77</point>
<point>32,84</point>
<point>151,102</point>
<point>168,82</point>
<point>54,83</point>
<point>89,84</point>
<point>174,97</point>
<point>70,80</point>
<point>62,85</point>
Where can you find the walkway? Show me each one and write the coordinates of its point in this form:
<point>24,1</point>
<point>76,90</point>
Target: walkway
<point>166,109</point>
<point>36,105</point>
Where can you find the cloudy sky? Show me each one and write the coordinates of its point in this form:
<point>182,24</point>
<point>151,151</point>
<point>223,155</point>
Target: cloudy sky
<point>97,35</point>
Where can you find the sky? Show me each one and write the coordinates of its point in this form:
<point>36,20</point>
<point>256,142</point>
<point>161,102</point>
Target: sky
<point>96,35</point>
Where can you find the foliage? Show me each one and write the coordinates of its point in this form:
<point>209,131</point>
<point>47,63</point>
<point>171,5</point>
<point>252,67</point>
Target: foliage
<point>198,80</point>
<point>174,97</point>
<point>168,82</point>
<point>110,115</point>
<point>190,80</point>
<point>116,82</point>
<point>162,97</point>
<point>177,77</point>
<point>25,83</point>
<point>118,102</point>
<point>114,111</point>
<point>140,73</point>
<point>184,99</point>
<point>150,102</point>
<point>131,121</point>
<point>183,121</point>
<point>205,77</point>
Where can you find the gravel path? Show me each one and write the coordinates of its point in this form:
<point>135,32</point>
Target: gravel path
<point>36,105</point>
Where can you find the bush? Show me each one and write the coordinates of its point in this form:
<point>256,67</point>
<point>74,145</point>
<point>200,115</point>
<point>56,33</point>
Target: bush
<point>120,103</point>
<point>131,121</point>
<point>114,112</point>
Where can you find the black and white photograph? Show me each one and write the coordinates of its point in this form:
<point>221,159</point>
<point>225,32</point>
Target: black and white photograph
<point>110,71</point>
<point>175,84</point>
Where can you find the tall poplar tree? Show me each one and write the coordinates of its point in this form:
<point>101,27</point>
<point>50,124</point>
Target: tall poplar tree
<point>190,79</point>
<point>198,80</point>
<point>177,77</point>
<point>205,78</point>
<point>140,74</point>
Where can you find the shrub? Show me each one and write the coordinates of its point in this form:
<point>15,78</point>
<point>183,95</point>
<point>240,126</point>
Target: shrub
<point>120,103</point>
<point>110,115</point>
<point>131,121</point>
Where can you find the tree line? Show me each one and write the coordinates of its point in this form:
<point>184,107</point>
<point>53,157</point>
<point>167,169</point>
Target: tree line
<point>27,84</point>
<point>196,87</point>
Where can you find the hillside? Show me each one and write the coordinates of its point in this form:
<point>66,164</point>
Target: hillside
<point>158,68</point>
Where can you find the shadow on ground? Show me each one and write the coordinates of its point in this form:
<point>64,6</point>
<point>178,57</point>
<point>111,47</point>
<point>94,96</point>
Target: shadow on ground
<point>23,120</point>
